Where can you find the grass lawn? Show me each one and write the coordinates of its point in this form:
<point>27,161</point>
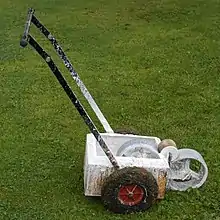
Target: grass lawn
<point>152,66</point>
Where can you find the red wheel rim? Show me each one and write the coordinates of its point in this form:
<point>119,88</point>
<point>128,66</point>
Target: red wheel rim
<point>130,194</point>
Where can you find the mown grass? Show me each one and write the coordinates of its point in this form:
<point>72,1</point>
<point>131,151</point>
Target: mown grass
<point>152,66</point>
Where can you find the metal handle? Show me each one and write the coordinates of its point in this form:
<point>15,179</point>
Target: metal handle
<point>27,38</point>
<point>24,39</point>
<point>73,73</point>
<point>88,121</point>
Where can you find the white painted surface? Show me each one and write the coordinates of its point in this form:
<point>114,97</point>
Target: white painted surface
<point>173,163</point>
<point>97,166</point>
<point>180,175</point>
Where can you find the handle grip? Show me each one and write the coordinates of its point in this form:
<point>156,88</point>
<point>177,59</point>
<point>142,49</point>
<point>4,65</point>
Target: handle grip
<point>24,39</point>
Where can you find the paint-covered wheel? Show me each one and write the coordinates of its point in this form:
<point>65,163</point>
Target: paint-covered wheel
<point>131,189</point>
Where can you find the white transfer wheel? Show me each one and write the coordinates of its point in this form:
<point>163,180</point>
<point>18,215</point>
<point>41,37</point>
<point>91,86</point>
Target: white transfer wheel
<point>138,148</point>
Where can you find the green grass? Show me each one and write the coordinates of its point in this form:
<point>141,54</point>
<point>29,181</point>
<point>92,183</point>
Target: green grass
<point>152,66</point>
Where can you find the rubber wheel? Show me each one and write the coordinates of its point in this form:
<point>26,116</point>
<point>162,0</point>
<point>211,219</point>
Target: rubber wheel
<point>131,189</point>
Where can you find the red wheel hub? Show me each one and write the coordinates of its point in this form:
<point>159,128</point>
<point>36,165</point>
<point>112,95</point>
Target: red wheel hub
<point>130,194</point>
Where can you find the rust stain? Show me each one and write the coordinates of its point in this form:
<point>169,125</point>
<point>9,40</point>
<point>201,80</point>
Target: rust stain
<point>162,180</point>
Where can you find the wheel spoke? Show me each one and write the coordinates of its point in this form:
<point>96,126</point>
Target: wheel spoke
<point>134,188</point>
<point>195,175</point>
<point>123,194</point>
<point>130,194</point>
<point>133,198</point>
<point>138,193</point>
<point>127,189</point>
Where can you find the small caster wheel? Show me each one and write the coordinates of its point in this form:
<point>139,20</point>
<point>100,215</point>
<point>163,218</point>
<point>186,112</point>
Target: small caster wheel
<point>131,189</point>
<point>165,143</point>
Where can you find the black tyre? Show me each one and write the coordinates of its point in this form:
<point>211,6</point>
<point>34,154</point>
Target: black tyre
<point>130,189</point>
